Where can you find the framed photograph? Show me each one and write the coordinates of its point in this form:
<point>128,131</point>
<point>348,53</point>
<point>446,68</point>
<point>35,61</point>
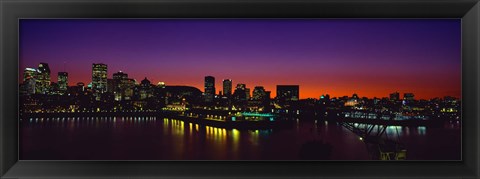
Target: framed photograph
<point>219,88</point>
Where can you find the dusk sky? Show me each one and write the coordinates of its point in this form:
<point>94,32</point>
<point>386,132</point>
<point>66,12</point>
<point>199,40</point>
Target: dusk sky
<point>370,57</point>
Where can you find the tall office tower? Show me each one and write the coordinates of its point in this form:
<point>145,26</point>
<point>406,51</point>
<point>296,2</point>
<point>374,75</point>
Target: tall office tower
<point>247,93</point>
<point>288,92</point>
<point>209,88</point>
<point>62,82</point>
<point>227,87</point>
<point>43,79</point>
<point>118,85</point>
<point>395,96</point>
<point>99,78</point>
<point>29,80</point>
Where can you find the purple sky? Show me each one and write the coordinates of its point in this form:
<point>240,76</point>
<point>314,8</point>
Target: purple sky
<point>371,57</point>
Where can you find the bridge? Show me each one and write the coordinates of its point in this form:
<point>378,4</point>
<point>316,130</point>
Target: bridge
<point>377,142</point>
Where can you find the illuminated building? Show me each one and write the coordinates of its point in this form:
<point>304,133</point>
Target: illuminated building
<point>145,89</point>
<point>259,93</point>
<point>227,87</point>
<point>29,80</point>
<point>240,94</point>
<point>241,86</point>
<point>287,92</point>
<point>161,84</point>
<point>261,98</point>
<point>29,73</point>
<point>120,76</point>
<point>129,84</point>
<point>99,78</point>
<point>209,93</point>
<point>117,85</point>
<point>395,96</point>
<point>43,79</point>
<point>247,93</point>
<point>121,86</point>
<point>351,102</point>
<point>62,81</point>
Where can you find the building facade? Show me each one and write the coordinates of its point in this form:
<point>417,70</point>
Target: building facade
<point>99,78</point>
<point>62,82</point>
<point>43,79</point>
<point>288,93</point>
<point>209,92</point>
<point>227,87</point>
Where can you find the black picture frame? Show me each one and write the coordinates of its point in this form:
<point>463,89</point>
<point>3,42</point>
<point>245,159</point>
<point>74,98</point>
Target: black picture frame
<point>12,10</point>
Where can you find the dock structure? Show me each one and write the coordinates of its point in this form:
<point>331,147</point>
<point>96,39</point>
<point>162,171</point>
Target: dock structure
<point>377,142</point>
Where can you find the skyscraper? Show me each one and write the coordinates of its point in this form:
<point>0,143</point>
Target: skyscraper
<point>209,88</point>
<point>62,81</point>
<point>29,80</point>
<point>43,78</point>
<point>227,87</point>
<point>99,78</point>
<point>120,84</point>
<point>287,92</point>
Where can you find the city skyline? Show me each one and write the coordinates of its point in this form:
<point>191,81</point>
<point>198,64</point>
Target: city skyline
<point>437,75</point>
<point>211,81</point>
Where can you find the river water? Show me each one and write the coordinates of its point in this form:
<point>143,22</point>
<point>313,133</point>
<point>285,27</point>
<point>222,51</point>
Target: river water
<point>154,138</point>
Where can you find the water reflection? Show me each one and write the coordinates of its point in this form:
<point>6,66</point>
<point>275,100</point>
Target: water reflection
<point>179,127</point>
<point>164,138</point>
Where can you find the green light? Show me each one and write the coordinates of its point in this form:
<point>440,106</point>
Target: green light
<point>257,114</point>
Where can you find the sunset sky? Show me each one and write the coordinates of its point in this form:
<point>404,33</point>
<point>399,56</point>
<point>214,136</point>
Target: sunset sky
<point>370,57</point>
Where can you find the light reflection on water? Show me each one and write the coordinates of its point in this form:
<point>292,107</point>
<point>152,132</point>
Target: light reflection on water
<point>178,126</point>
<point>182,140</point>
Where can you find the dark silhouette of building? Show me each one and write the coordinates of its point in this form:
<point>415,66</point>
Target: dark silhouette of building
<point>395,96</point>
<point>191,94</point>
<point>408,97</point>
<point>227,87</point>
<point>261,98</point>
<point>240,95</point>
<point>287,93</point>
<point>259,93</point>
<point>209,89</point>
